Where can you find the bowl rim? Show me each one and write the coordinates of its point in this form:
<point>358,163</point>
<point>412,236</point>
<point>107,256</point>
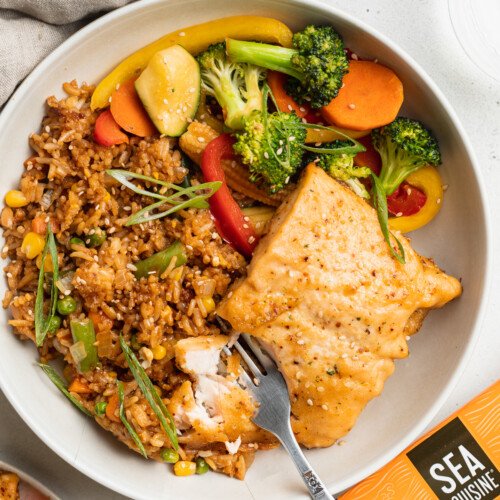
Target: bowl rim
<point>387,455</point>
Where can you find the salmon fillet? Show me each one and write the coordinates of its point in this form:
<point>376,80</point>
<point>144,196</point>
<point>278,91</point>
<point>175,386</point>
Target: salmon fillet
<point>330,303</point>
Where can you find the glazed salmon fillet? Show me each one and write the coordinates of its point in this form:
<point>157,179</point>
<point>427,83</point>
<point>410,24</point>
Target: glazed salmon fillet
<point>332,306</point>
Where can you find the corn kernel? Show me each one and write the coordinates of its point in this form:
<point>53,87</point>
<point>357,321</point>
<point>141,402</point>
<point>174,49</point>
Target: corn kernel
<point>33,244</point>
<point>15,199</point>
<point>159,352</point>
<point>184,468</point>
<point>209,304</point>
<point>48,266</point>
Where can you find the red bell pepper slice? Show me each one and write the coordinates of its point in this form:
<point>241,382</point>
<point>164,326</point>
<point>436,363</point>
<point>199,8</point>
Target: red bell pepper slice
<point>230,220</point>
<point>107,132</point>
<point>406,200</point>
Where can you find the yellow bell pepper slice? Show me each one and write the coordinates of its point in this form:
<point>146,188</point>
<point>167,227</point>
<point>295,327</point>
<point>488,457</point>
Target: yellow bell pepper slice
<point>428,180</point>
<point>194,39</point>
<point>322,135</point>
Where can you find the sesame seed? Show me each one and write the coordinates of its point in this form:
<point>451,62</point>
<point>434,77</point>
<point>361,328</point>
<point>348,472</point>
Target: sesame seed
<point>302,110</point>
<point>343,85</point>
<point>214,235</point>
<point>9,275</point>
<point>47,129</point>
<point>399,214</point>
<point>289,107</point>
<point>109,100</point>
<point>300,342</point>
<point>287,180</point>
<point>251,240</point>
<point>438,201</point>
<point>320,388</point>
<point>375,61</point>
<point>408,191</point>
<point>256,381</point>
<point>291,138</point>
<point>165,101</point>
<point>344,355</point>
<point>201,139</point>
<point>182,33</point>
<point>127,209</point>
<point>445,187</point>
<point>117,86</point>
<point>97,206</point>
<point>352,106</point>
<point>342,337</point>
<point>310,402</point>
<point>304,120</point>
<point>279,151</point>
<point>325,407</point>
<point>352,345</point>
<point>266,155</point>
<point>317,144</point>
<point>67,292</point>
<point>5,249</point>
<point>191,90</point>
<point>354,56</point>
<point>246,226</point>
<point>246,218</point>
<point>408,337</point>
<point>131,267</point>
<point>341,442</point>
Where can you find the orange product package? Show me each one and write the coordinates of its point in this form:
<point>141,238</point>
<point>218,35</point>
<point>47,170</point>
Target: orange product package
<point>457,460</point>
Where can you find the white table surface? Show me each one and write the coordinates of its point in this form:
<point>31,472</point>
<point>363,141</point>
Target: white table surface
<point>423,29</point>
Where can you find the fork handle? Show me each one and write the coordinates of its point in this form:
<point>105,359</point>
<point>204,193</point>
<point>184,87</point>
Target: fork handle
<point>316,488</point>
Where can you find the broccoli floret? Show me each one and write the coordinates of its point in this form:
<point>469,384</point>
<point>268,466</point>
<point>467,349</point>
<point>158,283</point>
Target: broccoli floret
<point>271,145</point>
<point>341,165</point>
<point>236,86</point>
<point>404,145</point>
<point>317,62</point>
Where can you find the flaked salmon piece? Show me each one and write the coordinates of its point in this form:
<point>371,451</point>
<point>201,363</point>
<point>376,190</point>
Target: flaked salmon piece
<point>325,296</point>
<point>212,407</point>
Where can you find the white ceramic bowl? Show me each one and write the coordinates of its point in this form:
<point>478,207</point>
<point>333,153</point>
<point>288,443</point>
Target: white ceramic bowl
<point>458,241</point>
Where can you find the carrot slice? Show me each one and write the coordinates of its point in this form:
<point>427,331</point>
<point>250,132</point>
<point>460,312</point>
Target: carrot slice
<point>286,104</point>
<point>79,387</point>
<point>128,111</point>
<point>112,408</point>
<point>107,132</point>
<point>371,97</point>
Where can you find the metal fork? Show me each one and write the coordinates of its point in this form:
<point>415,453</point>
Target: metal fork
<point>273,413</point>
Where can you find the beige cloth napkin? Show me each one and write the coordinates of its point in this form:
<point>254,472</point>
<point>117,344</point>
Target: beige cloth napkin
<point>31,29</point>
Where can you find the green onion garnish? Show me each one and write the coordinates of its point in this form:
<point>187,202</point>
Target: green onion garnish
<point>60,384</point>
<point>126,423</point>
<point>181,198</point>
<point>42,323</point>
<point>380,204</point>
<point>147,388</point>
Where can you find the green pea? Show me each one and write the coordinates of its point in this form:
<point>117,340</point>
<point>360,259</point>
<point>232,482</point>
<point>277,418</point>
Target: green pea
<point>169,456</point>
<point>66,306</point>
<point>201,466</point>
<point>97,238</point>
<point>76,241</point>
<point>134,343</point>
<point>100,408</point>
<point>54,324</point>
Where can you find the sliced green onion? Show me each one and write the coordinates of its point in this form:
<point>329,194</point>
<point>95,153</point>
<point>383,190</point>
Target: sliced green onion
<point>42,323</point>
<point>60,384</point>
<point>177,199</point>
<point>122,177</point>
<point>159,261</point>
<point>380,204</point>
<point>126,423</point>
<point>147,388</point>
<point>83,332</point>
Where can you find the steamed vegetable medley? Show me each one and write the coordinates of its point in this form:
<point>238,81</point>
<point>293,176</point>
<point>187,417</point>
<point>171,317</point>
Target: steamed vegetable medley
<point>252,105</point>
<point>275,108</point>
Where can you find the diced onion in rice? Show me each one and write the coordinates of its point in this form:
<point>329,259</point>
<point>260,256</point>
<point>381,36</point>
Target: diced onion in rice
<point>78,351</point>
<point>46,200</point>
<point>64,284</point>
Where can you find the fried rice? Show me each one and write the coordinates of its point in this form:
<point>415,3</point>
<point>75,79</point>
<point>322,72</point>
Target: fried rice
<point>65,183</point>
